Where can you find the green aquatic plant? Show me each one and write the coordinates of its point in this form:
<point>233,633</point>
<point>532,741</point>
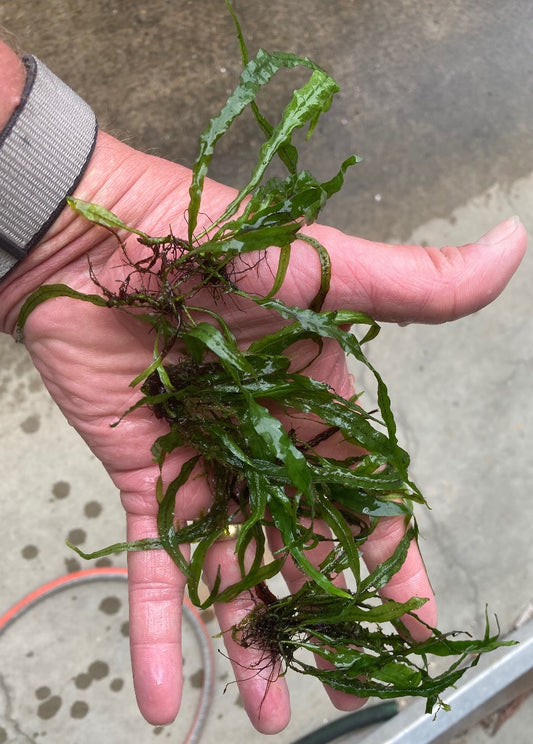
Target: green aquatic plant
<point>221,400</point>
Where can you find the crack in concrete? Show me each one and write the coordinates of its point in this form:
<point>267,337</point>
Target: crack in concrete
<point>11,727</point>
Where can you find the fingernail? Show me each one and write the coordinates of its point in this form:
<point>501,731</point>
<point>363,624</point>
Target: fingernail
<point>500,232</point>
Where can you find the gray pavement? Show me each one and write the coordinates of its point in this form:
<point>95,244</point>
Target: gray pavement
<point>437,99</point>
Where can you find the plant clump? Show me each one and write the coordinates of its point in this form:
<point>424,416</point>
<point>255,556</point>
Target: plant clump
<point>230,404</point>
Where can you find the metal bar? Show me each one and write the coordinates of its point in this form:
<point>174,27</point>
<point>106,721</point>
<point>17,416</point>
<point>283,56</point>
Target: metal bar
<point>498,679</point>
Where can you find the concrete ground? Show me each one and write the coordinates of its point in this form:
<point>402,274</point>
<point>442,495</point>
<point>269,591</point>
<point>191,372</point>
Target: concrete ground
<point>436,97</point>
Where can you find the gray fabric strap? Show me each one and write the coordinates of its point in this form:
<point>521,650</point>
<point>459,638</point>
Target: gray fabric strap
<point>44,150</point>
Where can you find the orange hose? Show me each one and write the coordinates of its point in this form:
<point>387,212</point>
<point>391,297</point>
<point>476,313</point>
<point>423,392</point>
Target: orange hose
<point>117,573</point>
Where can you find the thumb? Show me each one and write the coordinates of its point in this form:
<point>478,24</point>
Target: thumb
<point>408,283</point>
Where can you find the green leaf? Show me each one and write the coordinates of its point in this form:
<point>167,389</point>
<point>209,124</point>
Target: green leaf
<point>336,183</point>
<point>49,292</point>
<point>342,532</point>
<point>276,442</point>
<point>249,581</point>
<point>281,510</point>
<point>367,502</point>
<point>288,153</point>
<point>384,572</point>
<point>257,73</point>
<point>166,517</point>
<point>325,272</point>
<point>100,216</point>
<point>148,543</point>
<point>258,490</point>
<point>205,336</point>
<point>305,107</point>
<point>281,272</point>
<point>247,240</point>
<point>328,325</point>
<point>399,674</point>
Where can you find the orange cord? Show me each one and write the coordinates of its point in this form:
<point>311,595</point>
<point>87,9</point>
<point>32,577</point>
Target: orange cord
<point>117,573</point>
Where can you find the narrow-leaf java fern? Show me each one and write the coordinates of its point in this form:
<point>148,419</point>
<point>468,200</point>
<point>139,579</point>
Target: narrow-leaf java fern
<point>221,399</point>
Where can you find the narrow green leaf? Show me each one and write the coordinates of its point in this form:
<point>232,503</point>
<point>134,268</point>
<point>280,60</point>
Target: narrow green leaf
<point>258,486</point>
<point>49,292</point>
<point>247,241</point>
<point>288,154</point>
<point>336,183</point>
<point>325,272</point>
<point>384,572</point>
<point>249,581</point>
<point>256,74</point>
<point>342,532</point>
<point>100,216</point>
<point>195,569</point>
<point>281,272</point>
<point>283,518</point>
<point>166,517</point>
<point>278,444</point>
<point>148,543</point>
<point>305,107</point>
<point>205,336</point>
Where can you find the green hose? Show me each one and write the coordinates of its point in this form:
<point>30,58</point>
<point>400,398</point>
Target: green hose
<point>358,719</point>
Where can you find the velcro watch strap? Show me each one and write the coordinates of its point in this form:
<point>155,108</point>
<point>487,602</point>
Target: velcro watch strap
<point>44,150</point>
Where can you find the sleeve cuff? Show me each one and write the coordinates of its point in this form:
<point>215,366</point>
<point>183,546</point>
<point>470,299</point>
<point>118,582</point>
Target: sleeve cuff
<point>44,151</point>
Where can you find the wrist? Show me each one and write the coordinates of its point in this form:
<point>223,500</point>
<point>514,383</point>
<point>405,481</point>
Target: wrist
<point>69,238</point>
<point>45,147</point>
<point>12,79</point>
<point>145,191</point>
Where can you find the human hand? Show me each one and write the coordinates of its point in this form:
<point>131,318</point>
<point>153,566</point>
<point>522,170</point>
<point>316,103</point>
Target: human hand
<point>87,357</point>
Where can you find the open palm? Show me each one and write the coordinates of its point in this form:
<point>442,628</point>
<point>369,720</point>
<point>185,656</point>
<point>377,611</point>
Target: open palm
<point>87,357</point>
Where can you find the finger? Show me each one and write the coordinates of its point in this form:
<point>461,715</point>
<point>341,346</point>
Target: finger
<point>407,283</point>
<point>411,580</point>
<point>156,589</point>
<point>156,586</point>
<point>264,693</point>
<point>295,578</point>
